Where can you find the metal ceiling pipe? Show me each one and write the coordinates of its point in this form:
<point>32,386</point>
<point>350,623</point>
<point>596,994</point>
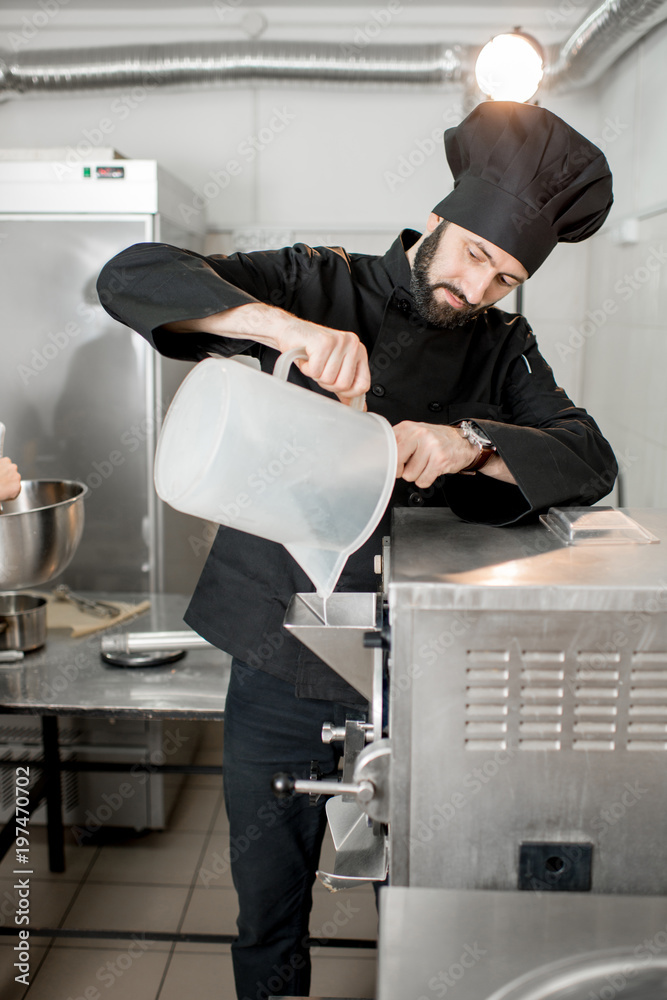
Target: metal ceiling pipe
<point>604,35</point>
<point>608,31</point>
<point>207,64</point>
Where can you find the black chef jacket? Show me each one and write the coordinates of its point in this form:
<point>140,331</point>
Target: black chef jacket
<point>489,370</point>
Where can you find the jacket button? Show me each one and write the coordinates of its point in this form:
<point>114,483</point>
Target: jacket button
<point>435,407</point>
<point>378,390</point>
<point>416,499</point>
<point>403,305</point>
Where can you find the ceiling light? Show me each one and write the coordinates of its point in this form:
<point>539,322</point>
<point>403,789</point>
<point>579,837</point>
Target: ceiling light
<point>510,67</point>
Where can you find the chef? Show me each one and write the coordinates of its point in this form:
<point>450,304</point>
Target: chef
<point>481,427</point>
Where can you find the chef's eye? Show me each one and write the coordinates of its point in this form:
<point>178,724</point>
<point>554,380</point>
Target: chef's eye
<point>474,257</point>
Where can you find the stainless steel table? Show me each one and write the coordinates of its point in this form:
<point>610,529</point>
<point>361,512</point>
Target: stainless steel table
<point>68,677</point>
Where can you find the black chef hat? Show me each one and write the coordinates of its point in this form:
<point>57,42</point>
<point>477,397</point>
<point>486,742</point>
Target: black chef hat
<point>524,180</point>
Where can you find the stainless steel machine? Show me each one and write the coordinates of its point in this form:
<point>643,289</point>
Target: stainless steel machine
<point>519,785</point>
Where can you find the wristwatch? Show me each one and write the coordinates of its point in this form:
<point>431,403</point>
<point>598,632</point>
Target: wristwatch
<point>477,437</point>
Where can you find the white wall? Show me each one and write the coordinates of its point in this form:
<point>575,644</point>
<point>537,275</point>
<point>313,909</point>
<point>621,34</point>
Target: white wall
<point>625,325</point>
<point>353,165</point>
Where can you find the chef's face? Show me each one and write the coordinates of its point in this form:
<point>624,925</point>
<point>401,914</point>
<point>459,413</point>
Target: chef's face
<point>457,274</point>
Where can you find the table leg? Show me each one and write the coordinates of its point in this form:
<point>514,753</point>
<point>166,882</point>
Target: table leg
<point>54,808</point>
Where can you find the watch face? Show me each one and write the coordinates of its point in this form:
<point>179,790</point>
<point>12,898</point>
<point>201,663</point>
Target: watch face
<point>475,435</point>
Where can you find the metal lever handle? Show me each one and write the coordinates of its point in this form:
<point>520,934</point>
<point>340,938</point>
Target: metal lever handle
<point>336,734</point>
<point>286,785</point>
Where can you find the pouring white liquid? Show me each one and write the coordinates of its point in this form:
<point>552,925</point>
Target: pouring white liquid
<point>248,450</point>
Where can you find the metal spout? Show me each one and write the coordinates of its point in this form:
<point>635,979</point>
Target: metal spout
<point>335,632</point>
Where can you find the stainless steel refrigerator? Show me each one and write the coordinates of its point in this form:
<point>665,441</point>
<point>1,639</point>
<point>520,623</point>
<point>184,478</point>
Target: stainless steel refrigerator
<point>81,395</point>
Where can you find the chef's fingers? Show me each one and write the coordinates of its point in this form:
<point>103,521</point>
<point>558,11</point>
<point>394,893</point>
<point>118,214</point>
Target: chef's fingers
<point>411,457</point>
<point>346,368</point>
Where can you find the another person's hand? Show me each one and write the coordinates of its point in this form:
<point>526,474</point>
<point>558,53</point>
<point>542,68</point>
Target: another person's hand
<point>10,480</point>
<point>426,451</point>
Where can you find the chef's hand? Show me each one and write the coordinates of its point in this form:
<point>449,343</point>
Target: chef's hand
<point>10,480</point>
<point>337,360</point>
<point>426,451</point>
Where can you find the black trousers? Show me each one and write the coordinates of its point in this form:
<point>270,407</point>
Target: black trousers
<point>274,843</point>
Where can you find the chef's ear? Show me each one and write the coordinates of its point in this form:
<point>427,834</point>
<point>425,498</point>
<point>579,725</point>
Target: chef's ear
<point>433,222</point>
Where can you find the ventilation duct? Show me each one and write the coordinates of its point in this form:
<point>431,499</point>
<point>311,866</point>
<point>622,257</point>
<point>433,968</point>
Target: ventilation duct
<point>215,64</point>
<point>604,35</point>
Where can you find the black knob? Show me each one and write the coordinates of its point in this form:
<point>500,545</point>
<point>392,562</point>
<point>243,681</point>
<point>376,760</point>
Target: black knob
<point>378,640</point>
<point>282,785</point>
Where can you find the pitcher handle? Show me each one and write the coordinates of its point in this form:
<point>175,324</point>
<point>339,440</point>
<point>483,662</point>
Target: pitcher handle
<point>284,363</point>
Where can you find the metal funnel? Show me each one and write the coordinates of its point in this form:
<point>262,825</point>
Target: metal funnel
<point>336,633</point>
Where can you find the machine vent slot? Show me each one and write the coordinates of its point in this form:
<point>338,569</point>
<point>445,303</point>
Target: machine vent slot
<point>596,658</point>
<point>646,657</point>
<point>543,656</point>
<point>541,693</point>
<point>486,700</point>
<point>541,711</point>
<point>648,702</point>
<point>537,676</point>
<point>489,655</point>
<point>539,728</point>
<point>486,745</point>
<point>643,711</point>
<point>541,701</point>
<point>487,693</point>
<point>487,675</point>
<point>589,726</point>
<point>647,728</point>
<point>590,745</point>
<point>476,711</point>
<point>652,694</point>
<point>588,691</point>
<point>597,711</point>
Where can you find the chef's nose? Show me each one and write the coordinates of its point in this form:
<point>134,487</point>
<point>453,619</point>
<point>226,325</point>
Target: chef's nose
<point>474,287</point>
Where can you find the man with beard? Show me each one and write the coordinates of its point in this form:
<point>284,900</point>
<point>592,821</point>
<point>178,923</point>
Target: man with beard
<point>481,427</point>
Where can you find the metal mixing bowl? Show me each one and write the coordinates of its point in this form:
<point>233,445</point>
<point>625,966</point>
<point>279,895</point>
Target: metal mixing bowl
<point>40,531</point>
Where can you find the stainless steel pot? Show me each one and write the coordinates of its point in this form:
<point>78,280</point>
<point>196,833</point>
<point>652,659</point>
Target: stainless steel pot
<point>40,531</point>
<point>22,621</point>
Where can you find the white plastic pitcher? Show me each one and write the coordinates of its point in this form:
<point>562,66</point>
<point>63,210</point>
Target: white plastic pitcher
<point>254,452</point>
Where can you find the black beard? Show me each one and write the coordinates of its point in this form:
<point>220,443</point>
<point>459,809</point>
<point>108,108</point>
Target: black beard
<point>423,291</point>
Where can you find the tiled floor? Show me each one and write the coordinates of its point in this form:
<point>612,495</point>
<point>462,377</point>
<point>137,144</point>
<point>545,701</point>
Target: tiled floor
<point>162,881</point>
